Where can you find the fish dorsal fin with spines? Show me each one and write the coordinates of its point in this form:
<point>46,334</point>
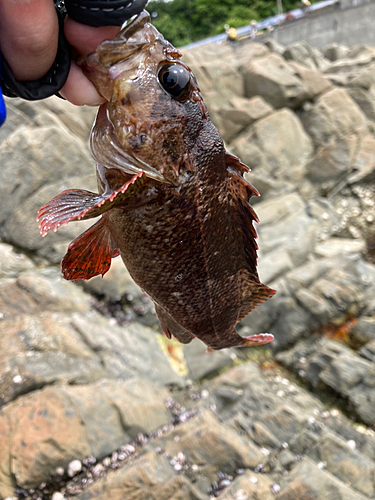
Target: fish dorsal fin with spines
<point>252,291</point>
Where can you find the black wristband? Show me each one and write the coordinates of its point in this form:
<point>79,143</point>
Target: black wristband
<point>50,83</point>
<point>103,12</point>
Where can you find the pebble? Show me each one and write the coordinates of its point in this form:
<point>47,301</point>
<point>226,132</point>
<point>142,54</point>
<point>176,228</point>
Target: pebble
<point>74,468</point>
<point>352,444</point>
<point>58,496</point>
<point>275,488</point>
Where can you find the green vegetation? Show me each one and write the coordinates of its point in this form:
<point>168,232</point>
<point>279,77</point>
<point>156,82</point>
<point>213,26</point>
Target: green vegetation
<point>185,21</point>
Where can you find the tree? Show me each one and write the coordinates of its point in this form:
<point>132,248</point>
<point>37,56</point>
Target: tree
<point>186,21</point>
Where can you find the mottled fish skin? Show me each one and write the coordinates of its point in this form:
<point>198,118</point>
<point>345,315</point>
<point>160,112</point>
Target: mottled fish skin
<point>173,202</point>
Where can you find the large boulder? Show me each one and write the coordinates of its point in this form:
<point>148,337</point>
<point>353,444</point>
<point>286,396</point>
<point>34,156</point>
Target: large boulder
<point>39,159</point>
<point>302,53</point>
<point>275,80</point>
<point>332,116</point>
<point>277,144</point>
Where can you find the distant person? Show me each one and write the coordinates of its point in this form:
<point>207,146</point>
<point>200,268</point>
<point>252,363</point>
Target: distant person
<point>305,4</point>
<point>231,32</point>
<point>253,29</point>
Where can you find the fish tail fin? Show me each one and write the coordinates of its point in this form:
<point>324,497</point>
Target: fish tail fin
<point>255,340</point>
<point>90,254</point>
<point>235,340</point>
<point>78,204</point>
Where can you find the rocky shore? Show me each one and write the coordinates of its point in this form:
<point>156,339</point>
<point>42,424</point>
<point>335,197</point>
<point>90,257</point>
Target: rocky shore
<point>95,403</point>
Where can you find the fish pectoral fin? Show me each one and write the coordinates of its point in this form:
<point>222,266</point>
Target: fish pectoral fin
<point>90,254</point>
<point>78,204</point>
<point>171,327</point>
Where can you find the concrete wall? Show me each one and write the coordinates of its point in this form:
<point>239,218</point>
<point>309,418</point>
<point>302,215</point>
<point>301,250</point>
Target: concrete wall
<point>350,22</point>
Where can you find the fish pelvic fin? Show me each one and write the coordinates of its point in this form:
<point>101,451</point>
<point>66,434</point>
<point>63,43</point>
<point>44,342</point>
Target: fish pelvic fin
<point>78,204</point>
<point>90,254</point>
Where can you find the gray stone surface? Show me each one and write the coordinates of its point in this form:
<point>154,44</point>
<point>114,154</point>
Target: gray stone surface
<point>333,116</point>
<point>272,78</point>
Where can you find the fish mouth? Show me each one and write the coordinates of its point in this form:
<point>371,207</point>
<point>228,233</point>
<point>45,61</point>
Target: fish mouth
<point>132,38</point>
<point>107,150</point>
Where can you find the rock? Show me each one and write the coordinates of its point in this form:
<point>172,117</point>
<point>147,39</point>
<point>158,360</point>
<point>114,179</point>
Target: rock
<point>291,240</point>
<point>364,79</point>
<point>363,165</point>
<point>334,161</point>
<point>7,481</point>
<point>114,284</point>
<point>216,81</point>
<point>274,46</point>
<point>15,118</point>
<point>58,496</point>
<point>74,467</point>
<point>324,361</point>
<point>315,81</point>
<point>40,161</point>
<point>345,463</point>
<point>300,52</point>
<point>277,144</point>
<point>337,246</point>
<point>287,459</point>
<point>274,265</point>
<point>334,52</point>
<point>125,351</point>
<point>46,432</point>
<point>12,262</point>
<point>320,61</point>
<point>333,116</point>
<point>368,351</point>
<point>201,364</point>
<point>363,331</point>
<point>247,487</point>
<point>355,59</point>
<point>147,477</point>
<point>273,212</point>
<point>114,413</point>
<point>204,441</point>
<point>273,79</point>
<point>240,113</point>
<point>307,481</point>
<point>365,100</point>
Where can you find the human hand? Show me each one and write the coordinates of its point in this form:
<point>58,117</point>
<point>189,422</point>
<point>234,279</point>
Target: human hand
<point>29,35</point>
<point>84,40</point>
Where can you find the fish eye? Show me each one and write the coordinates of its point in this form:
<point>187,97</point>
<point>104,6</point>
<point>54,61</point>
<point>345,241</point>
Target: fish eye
<point>174,79</point>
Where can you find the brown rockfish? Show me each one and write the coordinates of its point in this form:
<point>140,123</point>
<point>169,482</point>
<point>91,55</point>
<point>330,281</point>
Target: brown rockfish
<point>173,203</point>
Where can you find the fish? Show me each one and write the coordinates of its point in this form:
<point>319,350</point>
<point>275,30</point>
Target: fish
<point>173,203</point>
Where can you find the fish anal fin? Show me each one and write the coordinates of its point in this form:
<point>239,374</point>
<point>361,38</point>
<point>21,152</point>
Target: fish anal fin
<point>78,204</point>
<point>90,254</point>
<point>171,327</point>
